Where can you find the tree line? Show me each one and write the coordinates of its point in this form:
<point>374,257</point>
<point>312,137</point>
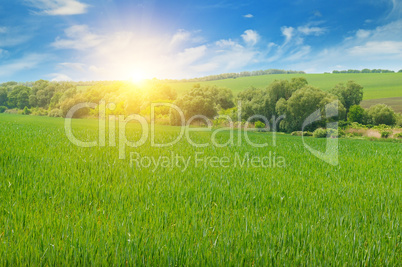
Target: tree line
<point>237,75</point>
<point>295,99</point>
<point>364,71</point>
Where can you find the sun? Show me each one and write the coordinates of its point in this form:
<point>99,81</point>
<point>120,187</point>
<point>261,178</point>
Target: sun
<point>137,77</point>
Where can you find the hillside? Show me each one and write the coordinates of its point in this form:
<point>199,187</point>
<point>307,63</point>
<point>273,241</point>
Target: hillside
<point>376,85</point>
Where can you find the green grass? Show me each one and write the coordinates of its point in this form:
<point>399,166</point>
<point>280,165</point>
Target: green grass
<point>376,85</point>
<point>65,205</point>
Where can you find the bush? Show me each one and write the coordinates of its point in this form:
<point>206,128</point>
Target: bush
<point>55,113</point>
<point>382,114</point>
<point>12,111</point>
<point>26,111</point>
<point>333,133</point>
<point>307,133</point>
<point>2,109</point>
<point>259,125</point>
<point>320,133</point>
<point>354,134</point>
<point>356,114</point>
<point>343,124</point>
<point>39,112</point>
<point>399,120</point>
<point>398,135</point>
<point>300,133</point>
<point>385,134</point>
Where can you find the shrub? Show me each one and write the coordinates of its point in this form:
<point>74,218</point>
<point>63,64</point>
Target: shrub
<point>343,123</point>
<point>300,133</point>
<point>55,113</point>
<point>385,134</point>
<point>354,134</point>
<point>26,111</point>
<point>39,112</point>
<point>356,114</point>
<point>259,125</point>
<point>382,114</point>
<point>398,135</point>
<point>2,109</point>
<point>399,119</point>
<point>12,111</point>
<point>357,126</point>
<point>333,133</point>
<point>320,133</point>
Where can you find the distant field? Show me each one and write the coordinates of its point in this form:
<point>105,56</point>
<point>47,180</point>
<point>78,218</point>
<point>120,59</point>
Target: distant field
<point>376,85</point>
<point>394,102</point>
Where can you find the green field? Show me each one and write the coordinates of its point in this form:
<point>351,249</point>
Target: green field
<point>65,205</point>
<point>394,102</point>
<point>376,85</point>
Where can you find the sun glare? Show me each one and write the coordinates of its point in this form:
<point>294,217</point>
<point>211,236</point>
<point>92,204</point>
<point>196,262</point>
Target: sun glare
<point>137,77</point>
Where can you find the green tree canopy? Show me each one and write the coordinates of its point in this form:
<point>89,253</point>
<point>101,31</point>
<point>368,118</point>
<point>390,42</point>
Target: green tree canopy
<point>382,114</point>
<point>349,95</point>
<point>356,114</point>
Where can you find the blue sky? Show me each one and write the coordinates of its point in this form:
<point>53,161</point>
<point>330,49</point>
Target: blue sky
<point>121,39</point>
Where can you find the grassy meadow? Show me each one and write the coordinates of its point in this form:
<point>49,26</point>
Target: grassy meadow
<point>61,204</point>
<point>376,85</point>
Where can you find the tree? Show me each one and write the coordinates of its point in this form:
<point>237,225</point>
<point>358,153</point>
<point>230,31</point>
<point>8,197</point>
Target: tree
<point>204,101</point>
<point>302,104</point>
<point>349,95</point>
<point>356,114</point>
<point>3,97</point>
<point>23,99</point>
<point>18,97</point>
<point>224,98</point>
<point>263,102</point>
<point>382,114</point>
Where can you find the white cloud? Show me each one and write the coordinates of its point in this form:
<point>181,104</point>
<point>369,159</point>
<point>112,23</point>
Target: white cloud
<point>3,52</point>
<point>288,33</point>
<point>58,7</point>
<point>190,55</point>
<point>29,61</point>
<point>299,53</point>
<point>396,8</point>
<point>306,30</point>
<point>317,13</point>
<point>180,37</point>
<point>60,77</point>
<point>248,16</point>
<point>250,37</point>
<point>378,48</point>
<point>183,37</point>
<point>118,55</point>
<point>7,39</point>
<point>79,38</point>
<point>74,66</point>
<point>362,34</point>
<point>227,43</point>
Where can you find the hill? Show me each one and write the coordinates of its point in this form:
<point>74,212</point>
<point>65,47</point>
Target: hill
<point>376,85</point>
